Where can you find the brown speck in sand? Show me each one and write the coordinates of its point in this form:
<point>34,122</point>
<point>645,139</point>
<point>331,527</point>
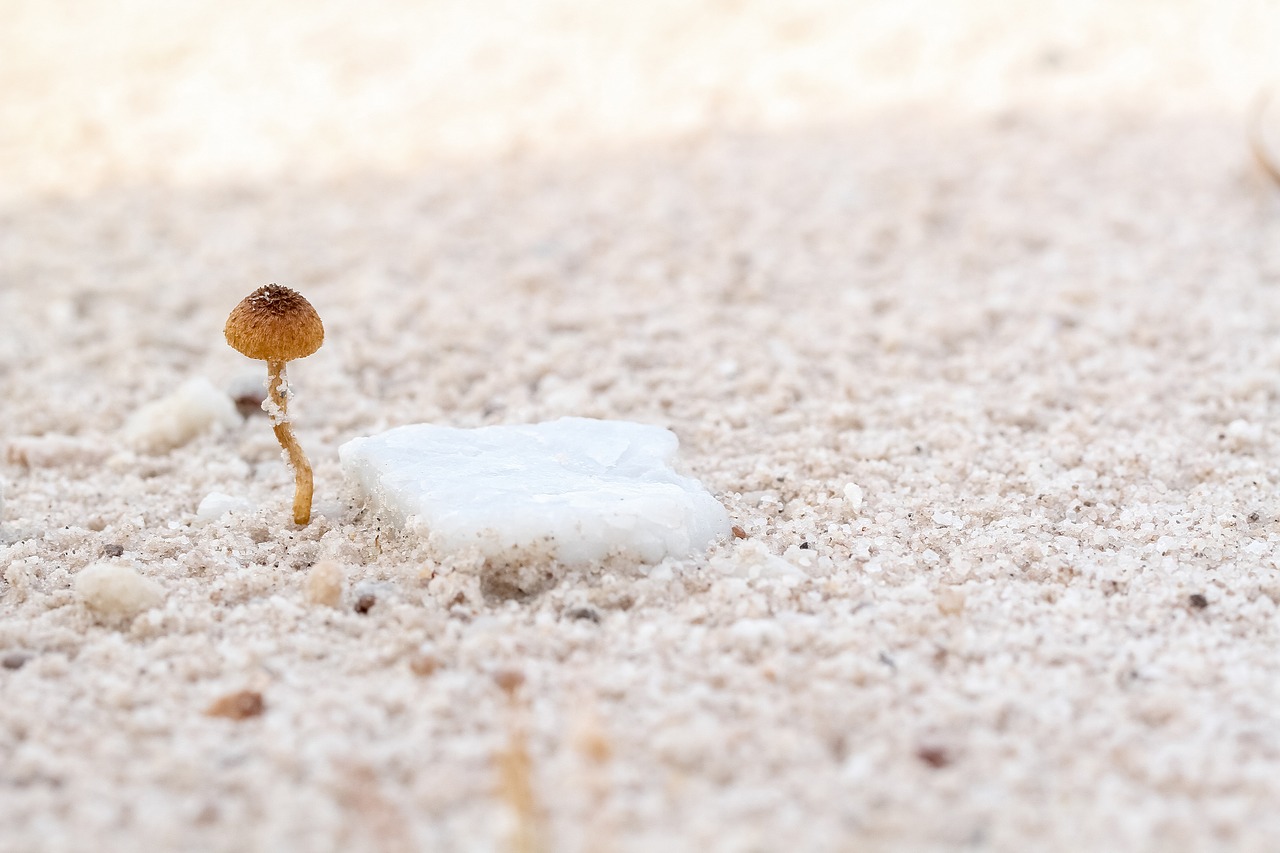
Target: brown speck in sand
<point>510,680</point>
<point>113,550</point>
<point>365,603</point>
<point>1198,601</point>
<point>594,743</point>
<point>935,756</point>
<point>240,705</point>
<point>424,664</point>
<point>15,660</point>
<point>739,533</point>
<point>249,403</point>
<point>589,614</point>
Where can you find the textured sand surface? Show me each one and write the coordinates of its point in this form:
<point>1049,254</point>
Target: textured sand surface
<point>1007,269</point>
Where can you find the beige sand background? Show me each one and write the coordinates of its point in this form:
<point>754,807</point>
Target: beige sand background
<point>1007,268</point>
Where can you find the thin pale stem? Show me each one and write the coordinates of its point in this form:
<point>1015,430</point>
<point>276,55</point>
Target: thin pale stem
<point>302,483</point>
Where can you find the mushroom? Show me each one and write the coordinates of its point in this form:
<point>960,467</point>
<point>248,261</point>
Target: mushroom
<point>276,324</point>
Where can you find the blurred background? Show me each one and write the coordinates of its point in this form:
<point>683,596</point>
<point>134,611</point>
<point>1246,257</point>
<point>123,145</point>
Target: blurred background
<point>238,92</point>
<point>737,190</point>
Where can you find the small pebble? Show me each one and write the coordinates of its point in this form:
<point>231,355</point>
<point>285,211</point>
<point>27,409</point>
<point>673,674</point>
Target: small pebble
<point>15,660</point>
<point>424,664</point>
<point>238,706</point>
<point>115,592</point>
<point>1198,601</point>
<point>739,533</point>
<point>113,550</point>
<point>248,393</point>
<point>936,757</point>
<point>365,603</point>
<point>324,585</point>
<point>587,613</point>
<point>509,680</point>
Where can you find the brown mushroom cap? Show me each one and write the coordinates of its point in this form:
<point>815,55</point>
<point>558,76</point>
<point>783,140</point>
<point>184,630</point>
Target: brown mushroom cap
<point>274,323</point>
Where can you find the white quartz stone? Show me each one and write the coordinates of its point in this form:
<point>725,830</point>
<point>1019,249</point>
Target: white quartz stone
<point>194,407</point>
<point>576,490</point>
<point>116,592</point>
<point>216,504</point>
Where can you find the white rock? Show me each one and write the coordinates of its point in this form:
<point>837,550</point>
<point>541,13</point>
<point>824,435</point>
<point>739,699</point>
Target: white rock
<point>172,421</point>
<point>113,591</point>
<point>948,519</point>
<point>216,504</point>
<point>324,583</point>
<point>853,495</point>
<point>1241,434</point>
<point>576,490</point>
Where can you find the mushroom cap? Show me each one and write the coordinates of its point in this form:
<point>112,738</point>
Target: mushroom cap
<point>274,323</point>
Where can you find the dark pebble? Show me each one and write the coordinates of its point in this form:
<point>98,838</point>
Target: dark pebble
<point>934,756</point>
<point>15,660</point>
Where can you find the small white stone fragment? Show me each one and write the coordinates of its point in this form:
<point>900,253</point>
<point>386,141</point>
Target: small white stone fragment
<point>324,584</point>
<point>948,519</point>
<point>853,495</point>
<point>576,490</point>
<point>116,592</point>
<point>1241,435</point>
<point>216,504</point>
<point>194,408</point>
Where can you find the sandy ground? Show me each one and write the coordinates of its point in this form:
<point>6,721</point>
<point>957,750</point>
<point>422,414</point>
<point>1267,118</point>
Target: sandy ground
<point>1007,268</point>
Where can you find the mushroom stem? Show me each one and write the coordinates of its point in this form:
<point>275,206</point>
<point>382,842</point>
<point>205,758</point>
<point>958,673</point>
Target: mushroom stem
<point>302,483</point>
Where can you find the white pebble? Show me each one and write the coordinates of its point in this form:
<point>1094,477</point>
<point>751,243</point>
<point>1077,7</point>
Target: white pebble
<point>324,584</point>
<point>948,519</point>
<point>576,490</point>
<point>853,495</point>
<point>194,408</point>
<point>216,504</point>
<point>113,591</point>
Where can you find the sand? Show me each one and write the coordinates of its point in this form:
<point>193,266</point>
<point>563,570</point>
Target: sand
<point>1007,269</point>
